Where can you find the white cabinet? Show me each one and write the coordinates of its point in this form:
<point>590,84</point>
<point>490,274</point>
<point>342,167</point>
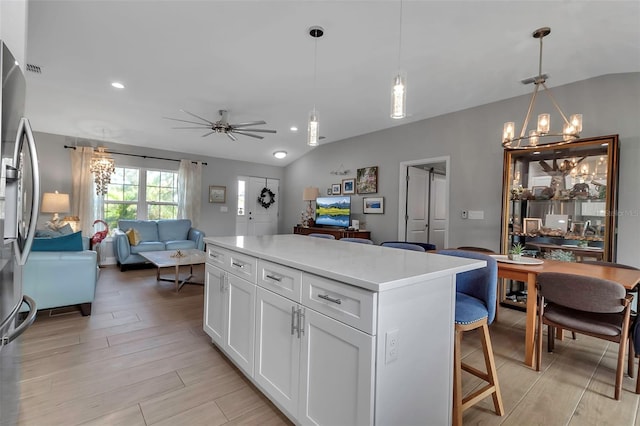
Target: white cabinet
<point>229,317</point>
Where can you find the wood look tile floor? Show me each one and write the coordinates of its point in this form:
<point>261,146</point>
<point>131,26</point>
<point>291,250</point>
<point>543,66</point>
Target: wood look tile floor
<point>142,358</point>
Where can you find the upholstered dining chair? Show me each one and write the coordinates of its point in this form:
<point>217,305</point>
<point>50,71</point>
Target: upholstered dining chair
<point>357,240</point>
<point>475,308</point>
<point>635,338</point>
<point>425,246</point>
<point>327,236</point>
<point>478,249</point>
<point>404,246</point>
<point>586,305</point>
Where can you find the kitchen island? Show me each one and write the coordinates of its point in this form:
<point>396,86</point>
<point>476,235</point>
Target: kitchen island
<point>336,332</point>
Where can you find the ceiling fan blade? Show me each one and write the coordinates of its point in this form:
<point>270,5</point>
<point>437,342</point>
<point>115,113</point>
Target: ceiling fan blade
<point>249,123</point>
<point>197,116</point>
<point>256,130</point>
<point>207,134</point>
<point>192,127</point>
<point>246,134</point>
<point>233,138</point>
<point>186,121</point>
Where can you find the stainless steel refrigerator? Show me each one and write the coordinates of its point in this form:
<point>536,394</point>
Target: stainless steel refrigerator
<point>19,206</point>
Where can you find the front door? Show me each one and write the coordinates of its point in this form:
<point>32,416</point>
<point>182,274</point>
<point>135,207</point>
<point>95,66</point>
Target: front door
<point>417,205</point>
<point>258,200</point>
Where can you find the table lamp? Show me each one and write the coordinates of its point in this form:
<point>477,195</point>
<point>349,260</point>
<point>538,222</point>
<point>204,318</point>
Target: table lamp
<point>309,194</point>
<point>54,202</point>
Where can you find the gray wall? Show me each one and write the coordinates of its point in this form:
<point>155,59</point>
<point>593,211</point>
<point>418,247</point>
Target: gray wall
<point>55,168</point>
<point>610,104</point>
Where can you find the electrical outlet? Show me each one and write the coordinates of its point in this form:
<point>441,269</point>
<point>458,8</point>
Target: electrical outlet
<point>464,214</point>
<point>391,346</point>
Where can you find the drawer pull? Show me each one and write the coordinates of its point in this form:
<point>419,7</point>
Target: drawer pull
<point>273,277</point>
<point>214,255</point>
<point>238,265</point>
<point>330,299</point>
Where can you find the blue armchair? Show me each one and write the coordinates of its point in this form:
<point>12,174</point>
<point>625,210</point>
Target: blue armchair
<point>475,308</point>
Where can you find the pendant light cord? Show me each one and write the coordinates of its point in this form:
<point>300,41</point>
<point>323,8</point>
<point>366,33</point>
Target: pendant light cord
<point>400,37</point>
<point>315,71</point>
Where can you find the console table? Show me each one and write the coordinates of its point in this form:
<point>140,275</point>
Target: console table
<point>336,232</point>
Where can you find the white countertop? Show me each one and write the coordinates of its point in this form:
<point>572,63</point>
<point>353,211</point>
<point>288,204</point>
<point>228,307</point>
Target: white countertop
<point>371,267</point>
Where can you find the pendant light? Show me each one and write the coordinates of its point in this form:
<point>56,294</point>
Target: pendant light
<point>542,135</point>
<point>399,84</point>
<point>313,133</point>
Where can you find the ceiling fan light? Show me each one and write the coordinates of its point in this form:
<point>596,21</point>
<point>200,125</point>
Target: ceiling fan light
<point>313,128</point>
<point>280,154</point>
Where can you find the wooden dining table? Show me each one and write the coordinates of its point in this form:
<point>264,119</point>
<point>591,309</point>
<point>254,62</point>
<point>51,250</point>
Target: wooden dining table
<point>629,278</point>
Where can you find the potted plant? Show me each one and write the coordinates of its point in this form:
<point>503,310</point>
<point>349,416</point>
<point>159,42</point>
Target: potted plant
<point>516,251</point>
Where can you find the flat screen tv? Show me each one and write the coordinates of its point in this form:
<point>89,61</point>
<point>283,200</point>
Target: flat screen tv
<point>333,211</point>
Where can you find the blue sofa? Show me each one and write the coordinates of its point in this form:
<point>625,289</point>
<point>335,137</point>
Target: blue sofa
<point>61,278</point>
<point>154,235</point>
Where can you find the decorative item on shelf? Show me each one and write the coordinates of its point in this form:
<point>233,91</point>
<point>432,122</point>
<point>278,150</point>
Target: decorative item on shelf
<point>100,235</point>
<point>309,194</point>
<point>542,135</point>
<point>54,202</point>
<point>102,166</point>
<point>516,252</point>
<point>266,198</point>
<point>73,221</point>
<point>313,131</point>
<point>532,225</point>
<point>341,171</point>
<point>561,255</point>
<point>367,180</point>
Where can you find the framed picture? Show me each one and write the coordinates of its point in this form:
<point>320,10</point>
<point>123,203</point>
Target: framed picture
<point>532,225</point>
<point>217,194</point>
<point>348,186</point>
<point>367,180</point>
<point>373,205</point>
<point>335,189</point>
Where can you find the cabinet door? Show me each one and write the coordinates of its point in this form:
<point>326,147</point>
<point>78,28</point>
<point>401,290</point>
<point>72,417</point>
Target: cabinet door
<point>214,304</point>
<point>337,373</point>
<point>241,296</point>
<point>277,349</point>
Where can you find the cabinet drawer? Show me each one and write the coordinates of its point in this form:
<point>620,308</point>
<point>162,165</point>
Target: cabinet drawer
<point>348,304</point>
<point>285,281</point>
<point>236,263</point>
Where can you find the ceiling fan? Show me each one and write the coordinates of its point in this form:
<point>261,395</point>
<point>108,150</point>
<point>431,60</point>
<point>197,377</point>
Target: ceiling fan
<point>223,126</point>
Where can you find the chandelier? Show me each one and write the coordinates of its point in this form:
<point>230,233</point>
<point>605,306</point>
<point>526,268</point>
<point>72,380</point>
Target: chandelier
<point>542,135</point>
<point>102,166</point>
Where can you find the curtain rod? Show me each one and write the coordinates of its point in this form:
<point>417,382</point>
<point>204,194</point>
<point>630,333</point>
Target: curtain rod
<point>138,155</point>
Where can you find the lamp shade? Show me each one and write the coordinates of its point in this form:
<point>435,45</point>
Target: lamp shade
<point>310,193</point>
<point>54,202</point>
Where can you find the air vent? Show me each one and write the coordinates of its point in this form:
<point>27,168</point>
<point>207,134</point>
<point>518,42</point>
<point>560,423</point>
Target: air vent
<point>34,68</point>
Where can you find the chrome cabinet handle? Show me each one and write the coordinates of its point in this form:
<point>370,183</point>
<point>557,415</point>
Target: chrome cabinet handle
<point>300,322</point>
<point>330,299</point>
<point>293,314</point>
<point>238,265</point>
<point>214,255</point>
<point>222,282</point>
<point>273,277</point>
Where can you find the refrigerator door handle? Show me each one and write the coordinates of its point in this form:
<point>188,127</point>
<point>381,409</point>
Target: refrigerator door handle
<point>5,340</point>
<point>25,127</point>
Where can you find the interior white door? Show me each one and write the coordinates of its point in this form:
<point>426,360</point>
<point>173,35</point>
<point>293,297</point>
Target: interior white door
<point>438,213</point>
<point>256,219</point>
<point>417,205</point>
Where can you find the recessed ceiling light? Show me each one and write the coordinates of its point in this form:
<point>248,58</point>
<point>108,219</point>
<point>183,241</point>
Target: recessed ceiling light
<point>117,85</point>
<point>293,128</point>
<point>280,154</point>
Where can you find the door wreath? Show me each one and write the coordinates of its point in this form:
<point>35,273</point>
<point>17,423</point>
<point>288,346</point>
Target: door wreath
<point>266,198</point>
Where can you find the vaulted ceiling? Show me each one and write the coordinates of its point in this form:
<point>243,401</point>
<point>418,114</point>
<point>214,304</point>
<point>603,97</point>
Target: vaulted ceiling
<point>256,59</point>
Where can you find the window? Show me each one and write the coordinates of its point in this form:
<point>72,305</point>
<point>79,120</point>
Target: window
<point>141,194</point>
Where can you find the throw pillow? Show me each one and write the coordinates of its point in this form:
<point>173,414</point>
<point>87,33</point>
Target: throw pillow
<point>66,229</point>
<point>46,233</point>
<point>70,242</point>
<point>134,236</point>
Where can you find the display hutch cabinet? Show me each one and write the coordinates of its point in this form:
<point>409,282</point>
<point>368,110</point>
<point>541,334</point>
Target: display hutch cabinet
<point>560,198</point>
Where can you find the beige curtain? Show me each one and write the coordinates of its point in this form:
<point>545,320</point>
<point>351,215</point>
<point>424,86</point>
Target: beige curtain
<point>190,191</point>
<point>83,202</point>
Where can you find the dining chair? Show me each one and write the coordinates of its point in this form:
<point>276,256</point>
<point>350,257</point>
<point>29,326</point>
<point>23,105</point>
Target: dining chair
<point>634,314</point>
<point>587,305</point>
<point>425,246</point>
<point>357,240</point>
<point>635,337</point>
<point>478,249</point>
<point>475,309</point>
<point>404,246</point>
<point>326,236</point>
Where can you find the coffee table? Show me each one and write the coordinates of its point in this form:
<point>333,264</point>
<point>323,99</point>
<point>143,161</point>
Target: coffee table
<point>176,259</point>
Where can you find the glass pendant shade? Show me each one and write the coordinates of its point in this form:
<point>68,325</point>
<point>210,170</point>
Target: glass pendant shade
<point>543,123</point>
<point>576,122</point>
<point>313,129</point>
<point>399,96</point>
<point>509,131</point>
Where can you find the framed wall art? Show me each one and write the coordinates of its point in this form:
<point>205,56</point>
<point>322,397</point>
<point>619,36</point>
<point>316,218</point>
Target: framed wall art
<point>335,189</point>
<point>373,205</point>
<point>367,180</point>
<point>532,225</point>
<point>348,186</point>
<point>217,194</point>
